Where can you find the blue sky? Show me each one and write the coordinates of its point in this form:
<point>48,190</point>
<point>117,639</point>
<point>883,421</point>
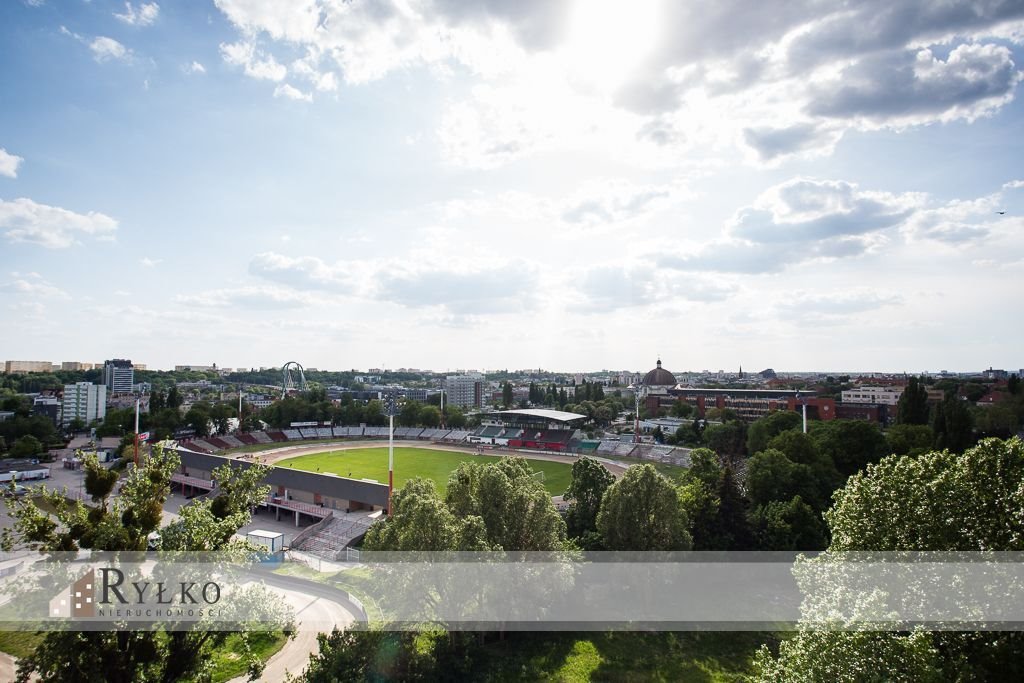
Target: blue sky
<point>577,186</point>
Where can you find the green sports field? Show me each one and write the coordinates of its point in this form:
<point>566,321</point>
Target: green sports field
<point>372,463</point>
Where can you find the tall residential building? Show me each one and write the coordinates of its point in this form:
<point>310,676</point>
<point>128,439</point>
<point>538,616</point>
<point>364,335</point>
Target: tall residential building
<point>84,401</point>
<point>22,367</point>
<point>119,376</point>
<point>465,391</point>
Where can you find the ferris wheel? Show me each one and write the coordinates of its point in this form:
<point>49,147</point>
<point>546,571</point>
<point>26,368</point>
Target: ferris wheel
<point>292,378</point>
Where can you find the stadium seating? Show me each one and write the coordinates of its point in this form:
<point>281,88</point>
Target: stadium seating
<point>204,445</point>
<point>293,434</point>
<point>455,436</point>
<point>336,535</point>
<point>232,441</point>
<point>624,449</point>
<point>607,447</point>
<point>277,436</point>
<point>261,437</point>
<point>247,439</point>
<point>308,432</point>
<point>324,433</point>
<point>217,442</point>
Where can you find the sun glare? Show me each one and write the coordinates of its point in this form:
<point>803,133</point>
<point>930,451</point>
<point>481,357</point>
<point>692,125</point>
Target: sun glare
<point>608,39</point>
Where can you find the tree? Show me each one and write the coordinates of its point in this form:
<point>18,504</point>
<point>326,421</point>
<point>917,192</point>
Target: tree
<point>938,501</point>
<point>125,524</point>
<point>763,430</point>
<point>642,511</point>
<point>733,526</point>
<point>909,439</point>
<point>174,399</point>
<point>590,480</point>
<point>953,425</point>
<point>705,467</point>
<point>823,478</point>
<point>728,440</point>
<point>851,444</point>
<point>682,409</point>
<point>455,418</point>
<point>514,505</point>
<point>429,416</point>
<point>410,414</point>
<point>772,477</point>
<point>793,525</point>
<point>198,418</point>
<point>912,408</point>
<point>506,395</point>
<point>27,446</point>
<point>700,505</point>
<point>1013,385</point>
<point>420,520</point>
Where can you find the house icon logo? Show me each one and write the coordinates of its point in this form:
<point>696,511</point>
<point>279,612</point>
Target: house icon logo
<point>78,601</point>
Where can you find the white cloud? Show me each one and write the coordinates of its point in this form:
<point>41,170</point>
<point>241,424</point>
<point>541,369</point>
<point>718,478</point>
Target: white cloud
<point>23,220</point>
<point>195,68</point>
<point>144,15</point>
<point>292,93</point>
<point>9,163</point>
<point>304,272</point>
<point>255,62</point>
<point>105,49</point>
<point>260,297</point>
<point>150,262</point>
<point>777,82</point>
<point>34,285</point>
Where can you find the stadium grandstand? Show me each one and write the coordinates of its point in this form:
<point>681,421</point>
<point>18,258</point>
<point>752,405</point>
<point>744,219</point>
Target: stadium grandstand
<point>550,430</point>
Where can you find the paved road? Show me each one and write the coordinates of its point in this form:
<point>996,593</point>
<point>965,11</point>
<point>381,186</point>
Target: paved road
<point>318,609</point>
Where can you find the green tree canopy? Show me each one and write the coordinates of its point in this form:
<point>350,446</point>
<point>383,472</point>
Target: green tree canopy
<point>851,444</point>
<point>590,480</point>
<point>912,408</point>
<point>763,430</point>
<point>642,511</point>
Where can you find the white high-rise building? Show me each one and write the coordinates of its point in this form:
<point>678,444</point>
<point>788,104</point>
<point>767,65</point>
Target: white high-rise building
<point>465,391</point>
<point>84,401</point>
<point>119,376</point>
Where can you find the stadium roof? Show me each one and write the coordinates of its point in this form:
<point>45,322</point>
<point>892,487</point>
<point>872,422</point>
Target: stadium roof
<point>557,415</point>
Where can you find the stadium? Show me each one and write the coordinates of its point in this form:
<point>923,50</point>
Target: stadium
<point>333,510</point>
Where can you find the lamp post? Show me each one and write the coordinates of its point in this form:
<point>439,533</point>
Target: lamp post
<point>389,408</point>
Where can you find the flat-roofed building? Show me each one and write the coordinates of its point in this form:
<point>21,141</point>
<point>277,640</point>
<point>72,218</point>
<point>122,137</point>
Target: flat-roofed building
<point>83,401</point>
<point>885,396</point>
<point>24,367</point>
<point>119,376</point>
<point>465,391</point>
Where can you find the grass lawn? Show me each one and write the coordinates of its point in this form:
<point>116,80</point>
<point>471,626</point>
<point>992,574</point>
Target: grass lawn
<point>227,663</point>
<point>19,643</point>
<point>372,463</point>
<point>571,657</point>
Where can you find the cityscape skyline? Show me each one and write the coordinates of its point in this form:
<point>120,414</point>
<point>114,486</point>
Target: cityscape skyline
<point>532,185</point>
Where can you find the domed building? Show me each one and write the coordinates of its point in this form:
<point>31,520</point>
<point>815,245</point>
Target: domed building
<point>659,377</point>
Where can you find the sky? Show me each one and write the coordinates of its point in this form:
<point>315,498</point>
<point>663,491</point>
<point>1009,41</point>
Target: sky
<point>536,184</point>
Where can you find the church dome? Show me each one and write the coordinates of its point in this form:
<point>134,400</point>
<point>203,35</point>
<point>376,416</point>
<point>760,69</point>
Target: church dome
<point>659,377</point>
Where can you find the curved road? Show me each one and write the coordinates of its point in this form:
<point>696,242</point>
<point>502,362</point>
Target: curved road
<point>318,608</point>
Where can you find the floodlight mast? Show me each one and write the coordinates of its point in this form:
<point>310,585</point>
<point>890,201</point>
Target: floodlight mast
<point>389,407</point>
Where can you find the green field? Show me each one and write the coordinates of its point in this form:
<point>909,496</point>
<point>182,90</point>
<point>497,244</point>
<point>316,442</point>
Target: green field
<point>372,463</point>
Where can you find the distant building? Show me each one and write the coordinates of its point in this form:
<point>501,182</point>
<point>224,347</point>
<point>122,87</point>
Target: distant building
<point>465,391</point>
<point>886,396</point>
<point>118,376</point>
<point>84,401</point>
<point>24,367</point>
<point>75,366</point>
<point>195,368</point>
<point>47,406</point>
